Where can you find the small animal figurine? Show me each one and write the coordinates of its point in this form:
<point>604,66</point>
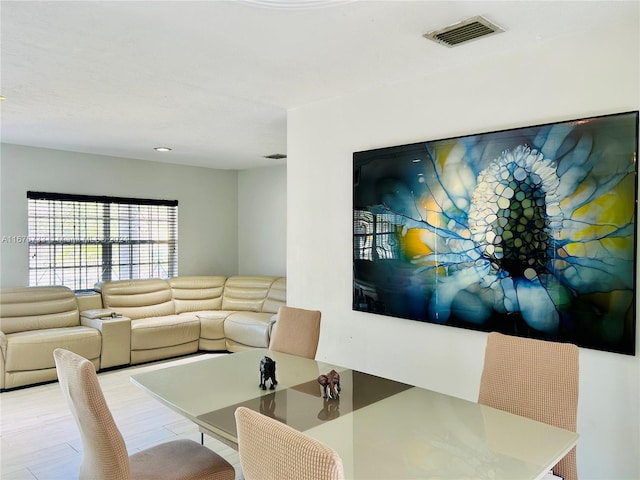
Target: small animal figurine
<point>330,384</point>
<point>330,410</point>
<point>267,372</point>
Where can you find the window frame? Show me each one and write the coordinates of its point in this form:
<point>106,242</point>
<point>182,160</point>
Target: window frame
<point>86,239</point>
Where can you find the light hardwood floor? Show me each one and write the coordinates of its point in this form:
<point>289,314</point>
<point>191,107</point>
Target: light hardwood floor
<point>39,438</point>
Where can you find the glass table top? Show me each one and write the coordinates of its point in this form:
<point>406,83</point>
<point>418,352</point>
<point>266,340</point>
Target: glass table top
<point>382,429</point>
<point>303,406</point>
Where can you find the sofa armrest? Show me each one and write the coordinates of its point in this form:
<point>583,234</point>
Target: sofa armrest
<point>116,336</point>
<point>99,313</point>
<point>272,324</point>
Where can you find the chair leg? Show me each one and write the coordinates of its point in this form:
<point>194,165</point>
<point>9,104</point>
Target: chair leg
<point>201,438</point>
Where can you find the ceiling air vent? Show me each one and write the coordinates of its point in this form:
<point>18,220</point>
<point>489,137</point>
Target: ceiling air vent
<point>465,31</point>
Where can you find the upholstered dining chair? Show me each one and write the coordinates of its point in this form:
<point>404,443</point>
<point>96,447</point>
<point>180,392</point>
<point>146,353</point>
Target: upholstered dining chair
<point>271,450</point>
<point>535,379</point>
<point>104,451</point>
<point>296,331</point>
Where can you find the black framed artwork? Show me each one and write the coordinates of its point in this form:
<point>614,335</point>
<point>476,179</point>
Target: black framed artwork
<point>528,231</point>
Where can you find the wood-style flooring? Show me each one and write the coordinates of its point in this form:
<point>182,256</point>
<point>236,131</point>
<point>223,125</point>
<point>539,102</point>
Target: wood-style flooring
<point>39,439</point>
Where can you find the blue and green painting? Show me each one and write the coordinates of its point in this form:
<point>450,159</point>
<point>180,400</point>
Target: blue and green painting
<point>528,231</point>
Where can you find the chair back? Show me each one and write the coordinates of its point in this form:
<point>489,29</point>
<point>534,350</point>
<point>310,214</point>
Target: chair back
<point>271,450</point>
<point>296,331</point>
<point>104,451</point>
<point>534,379</point>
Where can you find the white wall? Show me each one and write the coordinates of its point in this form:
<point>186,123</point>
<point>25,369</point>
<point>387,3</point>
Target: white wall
<point>262,221</point>
<point>207,202</point>
<point>559,80</point>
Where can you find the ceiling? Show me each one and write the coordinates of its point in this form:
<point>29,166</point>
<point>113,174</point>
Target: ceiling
<point>213,80</point>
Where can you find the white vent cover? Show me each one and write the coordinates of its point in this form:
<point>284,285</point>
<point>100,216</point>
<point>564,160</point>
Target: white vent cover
<point>465,31</point>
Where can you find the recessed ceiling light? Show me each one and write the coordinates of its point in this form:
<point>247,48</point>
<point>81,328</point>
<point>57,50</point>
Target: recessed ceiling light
<point>162,149</point>
<point>2,98</point>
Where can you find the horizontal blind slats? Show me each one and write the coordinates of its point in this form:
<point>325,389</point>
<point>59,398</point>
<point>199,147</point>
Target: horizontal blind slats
<point>78,240</point>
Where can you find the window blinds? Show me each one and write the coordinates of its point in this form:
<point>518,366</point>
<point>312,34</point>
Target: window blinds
<point>79,240</point>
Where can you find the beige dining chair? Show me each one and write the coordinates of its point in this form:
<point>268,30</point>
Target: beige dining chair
<point>535,379</point>
<point>104,451</point>
<point>271,450</point>
<point>296,331</point>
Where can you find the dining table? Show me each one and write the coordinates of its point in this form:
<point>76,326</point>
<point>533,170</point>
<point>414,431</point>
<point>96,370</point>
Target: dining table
<point>381,428</point>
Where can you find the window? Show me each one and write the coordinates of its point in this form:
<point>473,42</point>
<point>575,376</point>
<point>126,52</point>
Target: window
<point>79,240</point>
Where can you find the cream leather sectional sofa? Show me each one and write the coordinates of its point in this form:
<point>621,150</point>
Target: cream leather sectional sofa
<point>133,321</point>
<point>34,321</point>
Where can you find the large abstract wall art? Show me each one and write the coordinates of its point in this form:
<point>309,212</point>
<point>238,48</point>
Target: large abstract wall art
<point>527,231</point>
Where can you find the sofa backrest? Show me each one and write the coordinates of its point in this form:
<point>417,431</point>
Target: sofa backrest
<point>247,293</point>
<point>140,298</point>
<point>277,296</point>
<point>197,293</point>
<point>37,308</point>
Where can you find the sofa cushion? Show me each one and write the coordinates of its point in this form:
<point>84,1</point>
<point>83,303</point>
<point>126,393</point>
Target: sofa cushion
<point>138,298</point>
<point>197,293</point>
<point>33,350</point>
<point>276,297</point>
<point>246,293</point>
<point>212,323</point>
<point>164,331</point>
<point>249,328</point>
<point>36,308</point>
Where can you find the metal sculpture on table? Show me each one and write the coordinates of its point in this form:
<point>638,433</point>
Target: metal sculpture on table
<point>267,372</point>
